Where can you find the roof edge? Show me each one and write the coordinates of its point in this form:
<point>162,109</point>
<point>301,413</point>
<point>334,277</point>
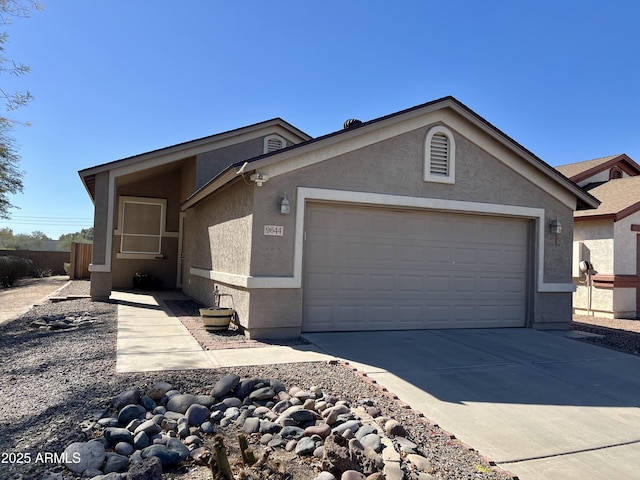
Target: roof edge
<point>584,200</point>
<point>196,142</point>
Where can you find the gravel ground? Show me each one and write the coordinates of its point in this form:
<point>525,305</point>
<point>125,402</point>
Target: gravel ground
<point>53,384</point>
<point>619,334</point>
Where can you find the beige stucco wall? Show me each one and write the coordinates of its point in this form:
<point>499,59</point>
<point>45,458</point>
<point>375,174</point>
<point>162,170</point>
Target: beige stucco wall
<point>217,235</point>
<point>611,248</point>
<point>596,238</point>
<point>392,167</point>
<point>100,281</point>
<point>624,261</point>
<point>209,164</point>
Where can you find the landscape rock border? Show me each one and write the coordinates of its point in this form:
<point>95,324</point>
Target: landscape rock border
<point>384,391</point>
<point>336,440</point>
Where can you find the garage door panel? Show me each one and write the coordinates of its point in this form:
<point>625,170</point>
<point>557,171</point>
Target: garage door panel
<point>411,227</point>
<point>351,282</point>
<point>349,316</point>
<point>319,282</point>
<point>490,256</point>
<point>437,284</point>
<point>319,316</point>
<point>411,283</point>
<point>514,285</point>
<point>378,252</point>
<point>369,268</point>
<point>410,314</point>
<point>383,283</point>
<point>514,257</point>
<point>466,256</point>
<point>439,254</point>
<point>464,285</point>
<point>410,254</point>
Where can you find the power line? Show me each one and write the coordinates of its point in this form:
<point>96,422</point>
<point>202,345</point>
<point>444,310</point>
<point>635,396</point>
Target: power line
<point>49,221</point>
<point>34,217</point>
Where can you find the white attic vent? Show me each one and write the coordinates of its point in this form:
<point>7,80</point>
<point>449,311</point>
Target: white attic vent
<point>440,156</point>
<point>439,164</point>
<point>273,143</point>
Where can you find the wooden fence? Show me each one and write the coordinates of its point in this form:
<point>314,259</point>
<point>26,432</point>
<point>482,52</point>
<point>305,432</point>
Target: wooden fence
<point>81,254</point>
<point>53,261</point>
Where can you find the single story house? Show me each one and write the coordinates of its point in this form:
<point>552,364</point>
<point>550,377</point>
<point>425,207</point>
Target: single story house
<point>430,217</point>
<point>607,237</point>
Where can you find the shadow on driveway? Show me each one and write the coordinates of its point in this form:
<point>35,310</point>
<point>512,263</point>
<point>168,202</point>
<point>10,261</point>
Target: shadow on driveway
<point>520,366</point>
<point>539,404</point>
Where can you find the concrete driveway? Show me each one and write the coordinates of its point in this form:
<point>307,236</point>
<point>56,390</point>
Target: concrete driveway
<point>541,405</point>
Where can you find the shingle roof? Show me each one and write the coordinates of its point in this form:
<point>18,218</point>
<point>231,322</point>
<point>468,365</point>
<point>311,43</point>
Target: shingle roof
<point>572,169</point>
<point>619,198</point>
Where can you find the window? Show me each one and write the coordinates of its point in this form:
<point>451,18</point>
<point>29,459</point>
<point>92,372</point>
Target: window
<point>141,225</point>
<point>273,143</point>
<point>440,150</point>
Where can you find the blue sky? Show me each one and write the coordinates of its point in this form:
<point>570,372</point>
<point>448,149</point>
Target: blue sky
<point>116,78</point>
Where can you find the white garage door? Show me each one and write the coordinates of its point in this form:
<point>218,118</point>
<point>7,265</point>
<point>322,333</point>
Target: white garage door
<point>381,269</point>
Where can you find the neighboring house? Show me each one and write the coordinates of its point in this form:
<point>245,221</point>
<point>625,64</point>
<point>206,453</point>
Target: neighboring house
<point>607,237</point>
<point>426,218</point>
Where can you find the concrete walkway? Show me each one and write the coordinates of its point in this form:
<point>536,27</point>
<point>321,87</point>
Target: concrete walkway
<point>150,338</point>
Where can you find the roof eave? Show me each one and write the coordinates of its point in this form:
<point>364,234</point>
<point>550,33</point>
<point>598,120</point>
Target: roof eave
<point>194,147</point>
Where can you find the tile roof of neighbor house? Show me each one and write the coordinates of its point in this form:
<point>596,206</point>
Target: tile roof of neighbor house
<point>572,169</point>
<point>619,198</point>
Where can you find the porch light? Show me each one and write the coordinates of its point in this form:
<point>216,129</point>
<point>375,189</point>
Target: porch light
<point>285,206</point>
<point>556,229</point>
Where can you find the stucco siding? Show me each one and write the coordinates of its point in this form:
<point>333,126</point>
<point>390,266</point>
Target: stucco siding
<point>395,167</point>
<point>216,237</point>
<point>625,241</point>
<point>593,301</point>
<point>624,302</point>
<point>188,177</point>
<point>611,249</point>
<point>593,230</point>
<point>100,219</point>
<point>275,313</point>
<point>210,164</point>
<point>101,282</point>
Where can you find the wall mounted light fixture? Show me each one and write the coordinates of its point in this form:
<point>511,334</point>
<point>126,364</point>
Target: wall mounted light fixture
<point>285,206</point>
<point>556,229</point>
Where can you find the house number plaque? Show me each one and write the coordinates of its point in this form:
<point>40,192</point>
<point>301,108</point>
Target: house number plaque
<point>274,230</point>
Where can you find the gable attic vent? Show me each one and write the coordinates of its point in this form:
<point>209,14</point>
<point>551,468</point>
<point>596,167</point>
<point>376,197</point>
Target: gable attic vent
<point>352,122</point>
<point>615,173</point>
<point>273,143</point>
<point>439,164</point>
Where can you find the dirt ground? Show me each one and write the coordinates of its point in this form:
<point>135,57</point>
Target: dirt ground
<point>26,292</point>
